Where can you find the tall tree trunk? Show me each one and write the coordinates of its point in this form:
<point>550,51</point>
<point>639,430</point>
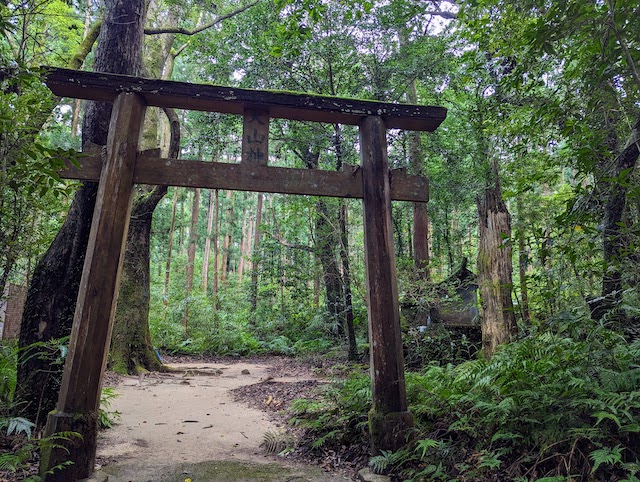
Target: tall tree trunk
<point>420,212</point>
<point>131,348</point>
<point>346,273</point>
<point>191,254</point>
<point>495,268</point>
<point>207,243</point>
<point>167,270</point>
<point>77,104</point>
<point>216,249</point>
<point>344,256</point>
<point>317,273</point>
<point>613,242</point>
<point>53,290</point>
<point>255,264</point>
<point>244,251</point>
<point>226,255</point>
<point>325,243</point>
<point>446,234</point>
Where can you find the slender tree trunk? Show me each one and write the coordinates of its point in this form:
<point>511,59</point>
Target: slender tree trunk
<point>183,247</point>
<point>317,273</point>
<point>447,240</point>
<point>53,290</point>
<point>344,256</point>
<point>207,243</point>
<point>226,255</point>
<point>326,241</point>
<point>254,264</point>
<point>191,253</point>
<point>216,249</point>
<point>167,271</point>
<point>346,273</point>
<point>250,236</point>
<point>243,243</point>
<point>495,268</point>
<point>398,230</point>
<point>77,104</point>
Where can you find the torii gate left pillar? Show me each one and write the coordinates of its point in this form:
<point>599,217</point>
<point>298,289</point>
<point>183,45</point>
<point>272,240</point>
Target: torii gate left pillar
<point>79,397</point>
<point>390,421</point>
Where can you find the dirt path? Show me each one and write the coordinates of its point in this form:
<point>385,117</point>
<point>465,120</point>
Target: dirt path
<point>186,425</point>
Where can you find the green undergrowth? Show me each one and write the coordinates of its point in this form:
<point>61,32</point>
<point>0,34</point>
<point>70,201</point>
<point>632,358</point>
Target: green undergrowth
<point>21,442</point>
<point>561,404</point>
<point>231,329</point>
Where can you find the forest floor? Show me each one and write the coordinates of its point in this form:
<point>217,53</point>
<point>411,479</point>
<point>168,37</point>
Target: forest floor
<point>206,421</point>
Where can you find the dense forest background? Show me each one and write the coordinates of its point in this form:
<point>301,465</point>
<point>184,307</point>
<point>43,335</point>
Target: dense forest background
<point>533,185</point>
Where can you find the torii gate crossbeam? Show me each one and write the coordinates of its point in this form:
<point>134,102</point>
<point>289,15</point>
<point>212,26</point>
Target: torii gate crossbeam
<point>119,166</point>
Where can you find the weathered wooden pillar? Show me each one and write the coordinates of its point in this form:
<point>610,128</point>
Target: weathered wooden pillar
<point>390,421</point>
<point>79,397</point>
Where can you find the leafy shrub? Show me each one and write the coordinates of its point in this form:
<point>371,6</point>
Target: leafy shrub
<point>280,345</point>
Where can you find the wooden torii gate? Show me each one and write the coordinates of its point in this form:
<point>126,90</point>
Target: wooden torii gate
<point>120,165</point>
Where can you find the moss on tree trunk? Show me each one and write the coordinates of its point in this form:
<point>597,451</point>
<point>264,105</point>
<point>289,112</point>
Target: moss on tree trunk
<point>131,349</point>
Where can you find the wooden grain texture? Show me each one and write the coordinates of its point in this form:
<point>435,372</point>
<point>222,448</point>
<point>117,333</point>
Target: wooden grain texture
<point>91,332</point>
<point>255,137</point>
<point>230,100</point>
<point>151,169</point>
<point>385,338</point>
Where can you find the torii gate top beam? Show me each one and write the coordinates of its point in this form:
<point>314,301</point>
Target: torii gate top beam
<point>230,100</point>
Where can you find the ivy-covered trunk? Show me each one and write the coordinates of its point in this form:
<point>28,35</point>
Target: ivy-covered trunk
<point>495,268</point>
<point>53,291</point>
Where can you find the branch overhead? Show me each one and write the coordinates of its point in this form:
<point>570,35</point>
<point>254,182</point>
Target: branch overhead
<point>201,28</point>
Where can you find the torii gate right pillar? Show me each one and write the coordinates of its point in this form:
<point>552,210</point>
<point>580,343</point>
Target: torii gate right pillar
<point>390,422</point>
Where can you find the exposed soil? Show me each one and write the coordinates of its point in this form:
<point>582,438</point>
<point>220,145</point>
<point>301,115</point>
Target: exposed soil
<point>207,420</point>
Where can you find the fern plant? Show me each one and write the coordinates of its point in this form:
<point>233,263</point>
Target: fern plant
<point>388,459</point>
<point>338,417</point>
<point>17,432</point>
<point>561,404</point>
<point>17,426</point>
<point>107,417</point>
<point>537,406</point>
